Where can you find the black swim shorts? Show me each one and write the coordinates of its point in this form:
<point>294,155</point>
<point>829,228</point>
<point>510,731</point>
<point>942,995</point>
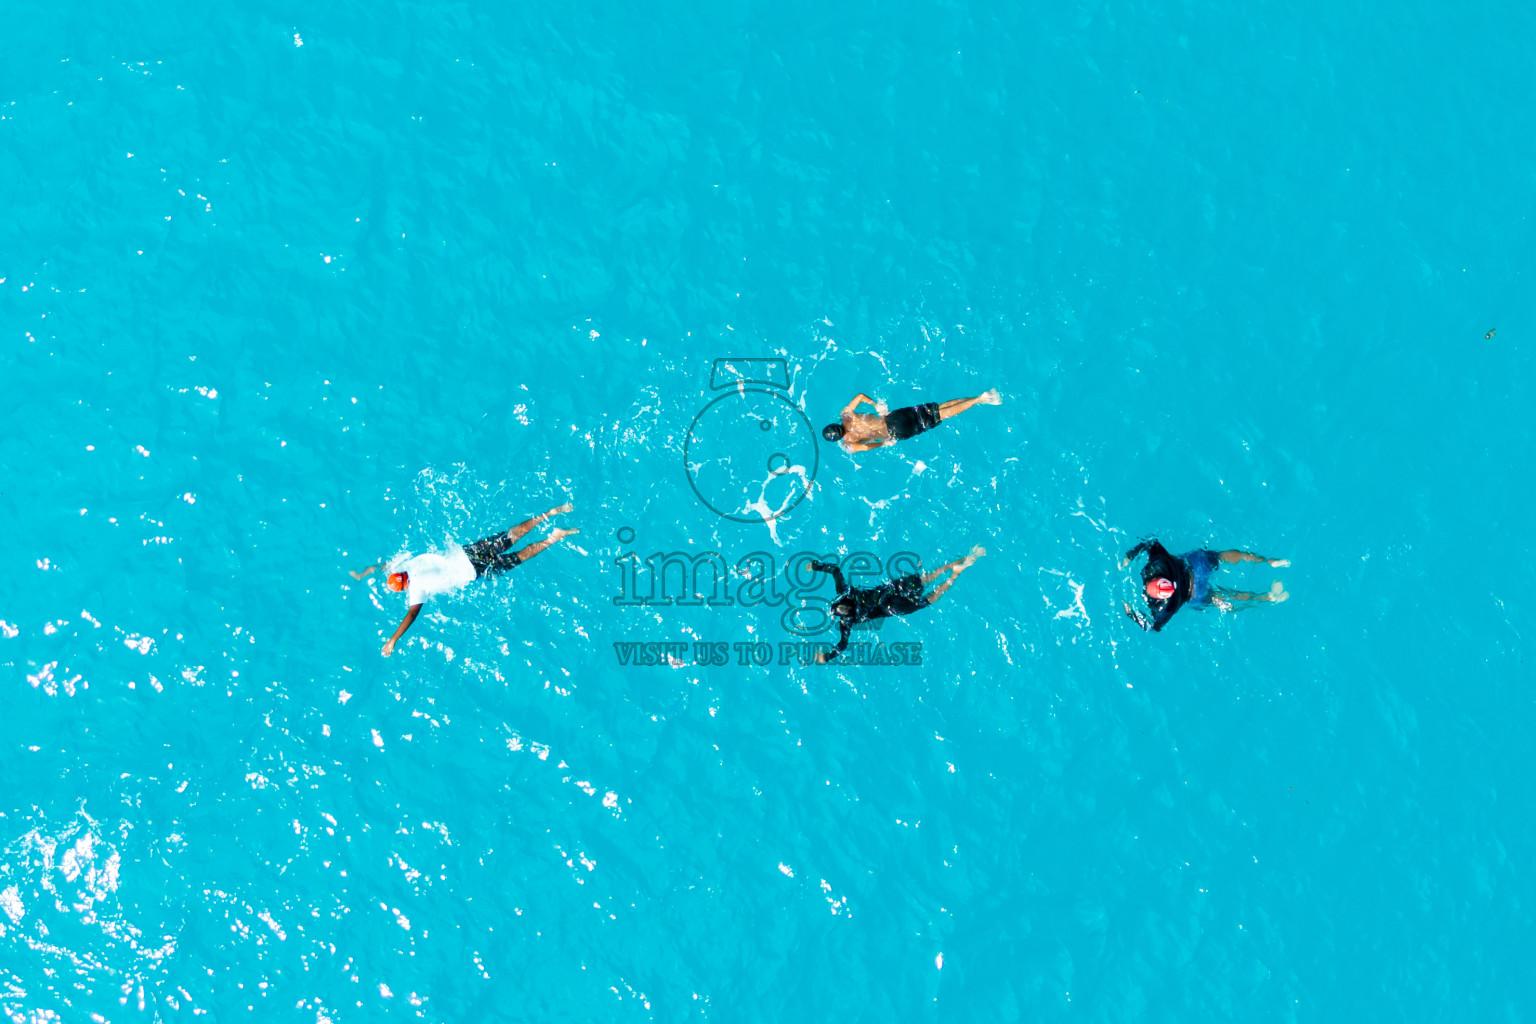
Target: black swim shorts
<point>913,420</point>
<point>490,555</point>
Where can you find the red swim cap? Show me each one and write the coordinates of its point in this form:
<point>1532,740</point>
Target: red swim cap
<point>1160,588</point>
<point>397,581</point>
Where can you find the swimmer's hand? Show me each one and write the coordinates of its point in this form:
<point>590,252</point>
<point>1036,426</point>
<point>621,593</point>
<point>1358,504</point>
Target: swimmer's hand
<point>882,409</point>
<point>1222,603</point>
<point>822,657</point>
<point>1123,563</point>
<point>389,647</point>
<point>1279,563</point>
<point>365,572</point>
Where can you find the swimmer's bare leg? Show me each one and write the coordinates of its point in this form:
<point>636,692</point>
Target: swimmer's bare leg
<point>938,591</point>
<point>955,569</point>
<point>528,524</point>
<point>555,536</point>
<point>929,577</point>
<point>1231,557</point>
<point>1224,599</point>
<point>956,406</point>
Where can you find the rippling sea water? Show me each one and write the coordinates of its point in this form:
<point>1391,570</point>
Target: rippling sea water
<point>286,291</point>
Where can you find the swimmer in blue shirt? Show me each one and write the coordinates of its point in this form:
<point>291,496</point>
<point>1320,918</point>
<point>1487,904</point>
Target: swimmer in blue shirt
<point>422,576</point>
<point>1172,581</point>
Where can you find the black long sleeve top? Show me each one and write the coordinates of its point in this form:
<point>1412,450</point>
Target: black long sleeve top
<point>1171,567</point>
<point>894,597</point>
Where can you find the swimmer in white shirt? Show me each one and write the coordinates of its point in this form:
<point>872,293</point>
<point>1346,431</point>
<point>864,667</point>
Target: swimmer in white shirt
<point>422,576</point>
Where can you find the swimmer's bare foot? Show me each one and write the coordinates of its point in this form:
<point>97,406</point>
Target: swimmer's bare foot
<point>561,534</point>
<point>954,568</point>
<point>991,397</point>
<point>1277,592</point>
<point>957,567</point>
<point>523,528</point>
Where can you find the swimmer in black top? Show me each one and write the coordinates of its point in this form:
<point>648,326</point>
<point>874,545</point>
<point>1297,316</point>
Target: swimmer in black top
<point>1171,581</point>
<point>861,431</point>
<point>901,596</point>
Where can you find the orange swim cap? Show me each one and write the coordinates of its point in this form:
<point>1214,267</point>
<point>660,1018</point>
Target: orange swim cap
<point>397,581</point>
<point>1160,588</point>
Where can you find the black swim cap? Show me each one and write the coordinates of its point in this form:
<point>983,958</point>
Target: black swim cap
<point>833,431</point>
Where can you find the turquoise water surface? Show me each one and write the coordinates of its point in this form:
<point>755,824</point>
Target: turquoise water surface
<point>291,289</point>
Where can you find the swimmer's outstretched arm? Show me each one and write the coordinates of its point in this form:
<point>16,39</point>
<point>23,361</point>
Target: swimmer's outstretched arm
<point>1138,549</point>
<point>405,624</point>
<point>1157,622</point>
<point>860,397</point>
<point>866,446</point>
<point>822,657</point>
<point>833,571</point>
<point>365,572</point>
